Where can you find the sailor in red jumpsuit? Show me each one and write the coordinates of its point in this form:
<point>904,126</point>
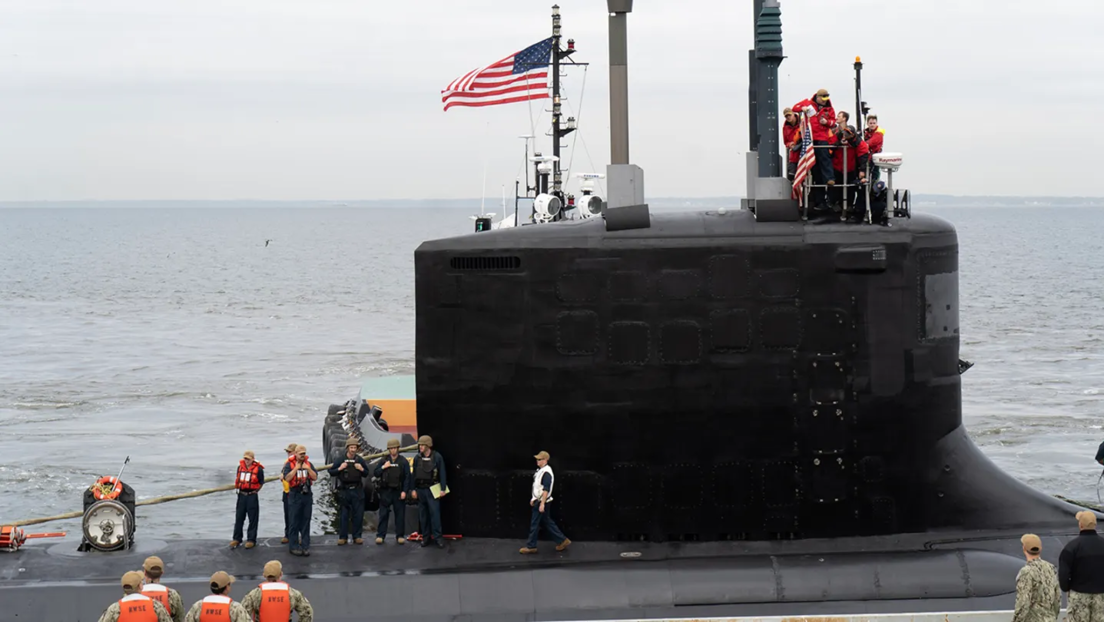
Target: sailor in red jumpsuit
<point>856,158</point>
<point>791,137</point>
<point>875,136</point>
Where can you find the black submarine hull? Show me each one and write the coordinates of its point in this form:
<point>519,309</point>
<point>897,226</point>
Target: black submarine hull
<point>707,378</point>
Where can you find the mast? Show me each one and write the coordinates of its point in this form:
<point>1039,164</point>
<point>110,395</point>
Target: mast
<point>558,132</point>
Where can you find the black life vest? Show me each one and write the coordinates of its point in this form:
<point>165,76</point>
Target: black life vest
<point>425,471</point>
<point>392,477</point>
<point>350,475</point>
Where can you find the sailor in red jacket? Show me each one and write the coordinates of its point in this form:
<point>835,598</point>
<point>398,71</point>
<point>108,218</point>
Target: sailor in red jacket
<point>856,158</point>
<point>821,118</point>
<point>250,478</point>
<point>874,138</point>
<point>791,137</point>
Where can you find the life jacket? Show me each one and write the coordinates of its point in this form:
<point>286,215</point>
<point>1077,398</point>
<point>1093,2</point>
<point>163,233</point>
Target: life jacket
<point>275,602</point>
<point>393,477</point>
<point>425,470</point>
<point>301,477</point>
<point>215,609</point>
<point>874,139</point>
<point>287,486</point>
<point>538,489</point>
<point>350,476</point>
<point>158,592</point>
<point>827,113</point>
<point>137,608</point>
<point>249,478</point>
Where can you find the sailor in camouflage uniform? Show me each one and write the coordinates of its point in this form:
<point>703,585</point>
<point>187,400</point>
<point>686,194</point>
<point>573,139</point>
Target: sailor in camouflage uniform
<point>275,600</point>
<point>1038,598</point>
<point>133,605</point>
<point>1081,572</point>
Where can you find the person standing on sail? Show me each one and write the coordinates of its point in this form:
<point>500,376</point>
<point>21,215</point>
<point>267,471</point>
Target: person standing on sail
<point>543,481</point>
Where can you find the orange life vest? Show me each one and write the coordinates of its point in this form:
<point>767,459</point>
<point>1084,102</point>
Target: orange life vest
<point>275,602</point>
<point>215,609</point>
<point>137,608</point>
<point>301,476</point>
<point>158,592</point>
<point>249,479</point>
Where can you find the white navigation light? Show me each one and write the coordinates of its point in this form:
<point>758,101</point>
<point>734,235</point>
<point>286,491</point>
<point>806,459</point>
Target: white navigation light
<point>888,161</point>
<point>591,203</point>
<point>547,207</point>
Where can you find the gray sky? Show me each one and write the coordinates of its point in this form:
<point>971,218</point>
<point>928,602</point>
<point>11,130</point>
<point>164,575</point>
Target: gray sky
<point>340,99</point>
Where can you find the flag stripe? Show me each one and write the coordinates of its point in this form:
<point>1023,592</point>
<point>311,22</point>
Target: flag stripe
<point>522,76</point>
<point>805,162</point>
<point>508,100</point>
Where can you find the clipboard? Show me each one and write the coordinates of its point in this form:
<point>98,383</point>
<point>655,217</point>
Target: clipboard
<point>435,490</point>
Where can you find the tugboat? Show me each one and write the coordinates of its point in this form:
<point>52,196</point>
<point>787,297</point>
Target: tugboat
<point>749,414</point>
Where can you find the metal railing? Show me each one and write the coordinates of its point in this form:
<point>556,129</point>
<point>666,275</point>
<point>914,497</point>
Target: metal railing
<point>895,205</point>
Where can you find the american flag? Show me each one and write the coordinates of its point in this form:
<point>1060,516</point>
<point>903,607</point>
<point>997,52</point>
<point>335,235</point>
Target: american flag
<point>518,77</point>
<point>805,162</point>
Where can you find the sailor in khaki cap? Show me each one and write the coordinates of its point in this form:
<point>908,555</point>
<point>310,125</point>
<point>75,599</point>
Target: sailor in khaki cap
<point>170,598</point>
<point>1037,596</point>
<point>135,606</point>
<point>543,482</point>
<point>274,600</point>
<point>218,607</point>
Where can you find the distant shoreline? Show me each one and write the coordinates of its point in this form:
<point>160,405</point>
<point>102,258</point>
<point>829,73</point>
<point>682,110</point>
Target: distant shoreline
<point>918,200</point>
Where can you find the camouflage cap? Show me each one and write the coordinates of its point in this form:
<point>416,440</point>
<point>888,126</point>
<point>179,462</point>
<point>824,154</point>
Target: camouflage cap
<point>273,570</point>
<point>132,581</point>
<point>392,442</point>
<point>291,448</point>
<point>220,580</point>
<point>1031,543</point>
<point>153,566</point>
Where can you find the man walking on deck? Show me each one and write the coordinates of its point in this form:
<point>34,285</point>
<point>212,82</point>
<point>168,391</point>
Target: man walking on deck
<point>154,568</point>
<point>393,472</point>
<point>249,480</point>
<point>300,476</point>
<point>429,472</point>
<point>543,482</point>
<point>349,475</point>
<point>1081,572</point>
<point>1038,598</point>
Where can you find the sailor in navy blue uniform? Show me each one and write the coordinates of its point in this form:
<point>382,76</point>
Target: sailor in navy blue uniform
<point>543,482</point>
<point>429,469</point>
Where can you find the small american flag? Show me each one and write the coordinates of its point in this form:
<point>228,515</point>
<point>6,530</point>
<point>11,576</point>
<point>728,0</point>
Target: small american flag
<point>805,162</point>
<point>518,77</point>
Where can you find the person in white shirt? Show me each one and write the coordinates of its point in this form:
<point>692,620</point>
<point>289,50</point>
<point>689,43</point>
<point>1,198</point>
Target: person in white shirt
<point>543,482</point>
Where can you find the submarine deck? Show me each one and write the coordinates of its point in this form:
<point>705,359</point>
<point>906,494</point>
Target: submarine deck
<point>487,578</point>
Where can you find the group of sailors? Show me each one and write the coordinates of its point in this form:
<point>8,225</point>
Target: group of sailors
<point>1080,572</point>
<point>146,599</point>
<point>842,151</point>
<point>420,480</point>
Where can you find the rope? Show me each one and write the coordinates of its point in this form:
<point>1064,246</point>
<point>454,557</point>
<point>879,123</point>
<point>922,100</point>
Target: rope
<point>188,495</point>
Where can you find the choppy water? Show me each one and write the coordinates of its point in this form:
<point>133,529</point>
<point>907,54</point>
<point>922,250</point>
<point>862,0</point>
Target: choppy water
<point>176,337</point>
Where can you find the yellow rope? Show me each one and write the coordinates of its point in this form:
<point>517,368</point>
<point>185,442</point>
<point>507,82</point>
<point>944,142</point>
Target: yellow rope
<point>188,495</point>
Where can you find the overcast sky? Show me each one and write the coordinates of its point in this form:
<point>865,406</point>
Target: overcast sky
<point>340,99</point>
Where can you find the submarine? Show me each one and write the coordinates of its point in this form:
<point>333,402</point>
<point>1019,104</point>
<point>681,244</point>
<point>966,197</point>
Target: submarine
<point>749,414</point>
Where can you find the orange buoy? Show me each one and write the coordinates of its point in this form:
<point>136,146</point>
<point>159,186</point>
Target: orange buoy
<point>107,488</point>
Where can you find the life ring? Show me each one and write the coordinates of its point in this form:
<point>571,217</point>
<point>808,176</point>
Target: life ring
<point>106,487</point>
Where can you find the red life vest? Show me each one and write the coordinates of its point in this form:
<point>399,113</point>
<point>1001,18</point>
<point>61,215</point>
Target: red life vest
<point>853,155</point>
<point>137,608</point>
<point>249,478</point>
<point>275,602</point>
<point>215,609</point>
<point>300,477</point>
<point>158,592</point>
<point>790,135</point>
